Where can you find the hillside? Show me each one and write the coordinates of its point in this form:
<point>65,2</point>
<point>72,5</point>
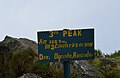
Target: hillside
<point>18,58</point>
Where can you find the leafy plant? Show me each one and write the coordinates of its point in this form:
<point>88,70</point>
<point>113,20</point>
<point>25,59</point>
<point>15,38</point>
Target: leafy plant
<point>21,62</point>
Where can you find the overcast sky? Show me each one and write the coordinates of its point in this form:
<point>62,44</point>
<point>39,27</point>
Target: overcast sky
<point>23,18</point>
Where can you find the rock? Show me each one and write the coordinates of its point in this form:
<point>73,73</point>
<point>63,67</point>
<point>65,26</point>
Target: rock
<point>108,61</point>
<point>3,49</point>
<point>29,75</point>
<point>84,69</point>
<point>10,46</point>
<point>81,68</point>
<point>15,44</point>
<point>29,43</point>
<point>110,64</point>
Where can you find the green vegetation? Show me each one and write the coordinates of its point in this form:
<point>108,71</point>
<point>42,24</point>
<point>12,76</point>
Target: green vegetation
<point>108,70</point>
<point>24,61</point>
<point>116,56</point>
<point>21,62</point>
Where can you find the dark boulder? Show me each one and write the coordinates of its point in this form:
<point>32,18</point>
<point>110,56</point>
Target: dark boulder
<point>15,44</point>
<point>10,46</point>
<point>108,62</point>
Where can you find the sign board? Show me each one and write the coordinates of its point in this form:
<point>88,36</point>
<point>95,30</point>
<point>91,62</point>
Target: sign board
<point>65,45</point>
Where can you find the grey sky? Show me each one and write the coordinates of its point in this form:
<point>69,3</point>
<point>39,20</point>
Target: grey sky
<point>23,18</point>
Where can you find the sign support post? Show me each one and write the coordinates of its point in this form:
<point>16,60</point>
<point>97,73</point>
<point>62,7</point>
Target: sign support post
<point>66,69</point>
